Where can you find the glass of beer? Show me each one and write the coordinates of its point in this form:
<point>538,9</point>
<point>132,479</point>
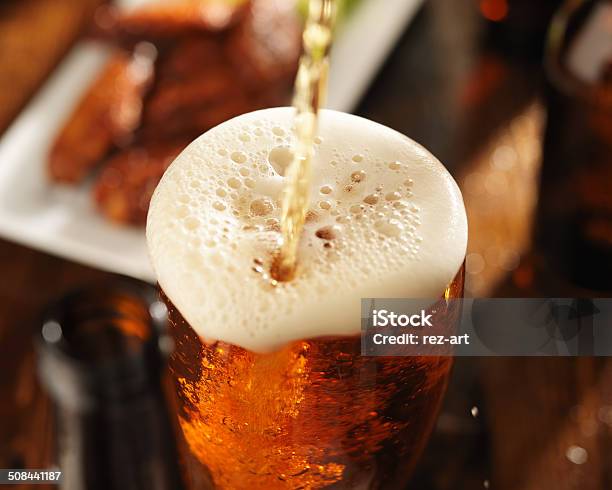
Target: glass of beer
<point>273,391</point>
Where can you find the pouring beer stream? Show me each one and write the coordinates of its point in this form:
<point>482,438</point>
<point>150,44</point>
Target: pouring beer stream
<point>309,95</point>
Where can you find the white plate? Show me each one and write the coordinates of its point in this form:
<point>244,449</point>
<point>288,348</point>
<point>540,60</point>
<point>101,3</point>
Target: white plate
<point>62,220</point>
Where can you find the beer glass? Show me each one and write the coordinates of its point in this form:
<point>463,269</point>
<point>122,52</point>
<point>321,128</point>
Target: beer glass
<point>273,389</point>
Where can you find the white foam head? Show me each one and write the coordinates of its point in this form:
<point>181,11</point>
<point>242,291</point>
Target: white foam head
<point>387,220</point>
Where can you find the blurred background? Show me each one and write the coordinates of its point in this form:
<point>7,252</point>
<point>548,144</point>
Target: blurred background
<point>513,96</point>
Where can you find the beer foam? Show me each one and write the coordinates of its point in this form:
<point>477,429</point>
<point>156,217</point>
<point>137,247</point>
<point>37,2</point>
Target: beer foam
<point>386,220</point>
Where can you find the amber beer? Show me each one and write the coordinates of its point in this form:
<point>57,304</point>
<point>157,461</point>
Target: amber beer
<point>273,391</point>
<point>314,414</point>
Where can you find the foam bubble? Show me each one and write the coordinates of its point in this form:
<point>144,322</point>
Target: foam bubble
<point>238,157</point>
<point>358,176</point>
<point>371,199</point>
<point>389,227</point>
<point>261,207</point>
<point>213,229</point>
<point>280,158</point>
<point>233,182</point>
<point>328,232</point>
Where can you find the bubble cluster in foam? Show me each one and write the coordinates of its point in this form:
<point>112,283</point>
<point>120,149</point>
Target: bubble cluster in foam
<point>386,220</point>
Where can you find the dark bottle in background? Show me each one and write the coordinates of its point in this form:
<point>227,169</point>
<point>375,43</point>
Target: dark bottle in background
<point>101,357</point>
<point>573,228</point>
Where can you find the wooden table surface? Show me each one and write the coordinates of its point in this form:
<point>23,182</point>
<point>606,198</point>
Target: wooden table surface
<point>449,89</point>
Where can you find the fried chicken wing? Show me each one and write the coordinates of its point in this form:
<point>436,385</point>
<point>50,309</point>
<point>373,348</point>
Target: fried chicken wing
<point>125,185</point>
<point>265,47</point>
<point>181,98</point>
<point>107,115</point>
<point>188,56</point>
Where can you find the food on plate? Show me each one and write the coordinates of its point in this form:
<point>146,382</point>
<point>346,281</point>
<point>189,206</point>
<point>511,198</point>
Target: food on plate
<point>106,116</point>
<point>125,185</point>
<point>166,85</point>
